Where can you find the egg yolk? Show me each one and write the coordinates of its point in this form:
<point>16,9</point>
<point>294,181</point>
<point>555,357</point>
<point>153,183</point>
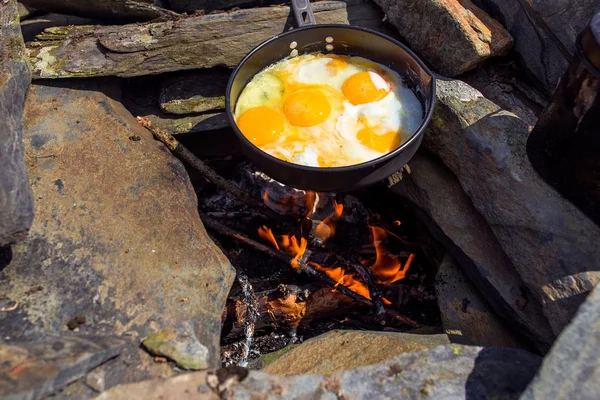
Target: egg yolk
<point>307,108</point>
<point>261,125</point>
<point>365,87</point>
<point>380,143</point>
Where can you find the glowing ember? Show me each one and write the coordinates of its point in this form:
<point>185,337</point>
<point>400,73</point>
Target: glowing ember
<point>397,223</point>
<point>326,229</point>
<point>387,268</point>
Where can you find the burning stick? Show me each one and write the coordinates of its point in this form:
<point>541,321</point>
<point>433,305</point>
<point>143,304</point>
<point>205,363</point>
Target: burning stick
<point>184,154</point>
<point>366,277</point>
<point>251,315</point>
<point>300,265</point>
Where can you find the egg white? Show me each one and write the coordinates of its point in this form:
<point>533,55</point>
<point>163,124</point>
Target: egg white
<point>333,141</point>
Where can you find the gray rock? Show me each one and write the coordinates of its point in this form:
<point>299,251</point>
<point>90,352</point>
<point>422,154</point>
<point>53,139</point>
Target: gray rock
<point>342,350</point>
<point>16,201</point>
<point>566,18</point>
<point>552,245</point>
<point>24,11</point>
<point>445,372</point>
<point>111,10</point>
<point>500,83</point>
<point>454,221</point>
<point>466,316</point>
<point>36,25</point>
<point>141,96</point>
<point>572,370</point>
<point>32,370</point>
<point>197,91</point>
<point>453,36</point>
<point>180,344</point>
<point>117,238</point>
<point>540,53</point>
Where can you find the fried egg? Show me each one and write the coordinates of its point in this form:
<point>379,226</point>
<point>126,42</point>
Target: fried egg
<point>325,110</point>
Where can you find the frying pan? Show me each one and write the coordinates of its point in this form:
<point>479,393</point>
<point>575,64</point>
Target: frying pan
<point>347,40</point>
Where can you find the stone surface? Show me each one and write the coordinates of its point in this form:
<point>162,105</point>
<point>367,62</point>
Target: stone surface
<point>36,25</point>
<point>342,350</point>
<point>443,372</point>
<point>455,222</point>
<point>466,316</point>
<point>572,368</point>
<point>180,344</point>
<point>502,84</point>
<point>453,36</point>
<point>117,237</point>
<point>194,42</point>
<point>566,18</point>
<point>190,386</point>
<point>24,11</point>
<point>16,201</point>
<point>141,96</point>
<point>195,92</point>
<point>540,53</point>
<point>111,10</point>
<point>551,244</point>
<point>32,370</point>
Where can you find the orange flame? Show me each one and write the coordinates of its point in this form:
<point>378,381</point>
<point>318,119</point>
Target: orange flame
<point>298,250</point>
<point>387,268</point>
<point>326,229</point>
<point>397,223</point>
<point>286,243</point>
<point>341,277</point>
<point>267,234</point>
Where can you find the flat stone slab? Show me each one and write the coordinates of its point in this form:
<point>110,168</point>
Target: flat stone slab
<point>16,201</point>
<point>444,372</point>
<point>117,241</point>
<point>572,368</point>
<point>552,244</point>
<point>32,370</point>
<point>342,350</point>
<point>453,36</point>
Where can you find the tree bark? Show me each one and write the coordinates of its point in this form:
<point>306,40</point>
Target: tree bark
<point>153,48</point>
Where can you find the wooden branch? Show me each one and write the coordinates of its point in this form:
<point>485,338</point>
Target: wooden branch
<point>188,157</point>
<point>152,48</point>
<point>108,10</point>
<point>221,229</point>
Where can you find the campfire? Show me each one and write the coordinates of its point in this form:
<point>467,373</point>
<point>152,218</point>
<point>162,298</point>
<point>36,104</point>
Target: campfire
<point>339,262</point>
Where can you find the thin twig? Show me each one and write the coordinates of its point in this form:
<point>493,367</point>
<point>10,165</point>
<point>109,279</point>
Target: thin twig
<point>207,172</point>
<point>251,315</point>
<point>302,266</point>
<point>367,278</point>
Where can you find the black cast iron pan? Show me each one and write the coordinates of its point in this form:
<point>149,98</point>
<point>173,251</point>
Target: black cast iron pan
<point>348,40</point>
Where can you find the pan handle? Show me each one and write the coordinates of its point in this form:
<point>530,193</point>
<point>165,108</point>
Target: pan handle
<point>303,12</point>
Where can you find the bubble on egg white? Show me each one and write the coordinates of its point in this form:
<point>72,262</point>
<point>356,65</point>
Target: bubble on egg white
<point>329,47</point>
<point>329,39</point>
<point>293,45</point>
<point>294,53</point>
